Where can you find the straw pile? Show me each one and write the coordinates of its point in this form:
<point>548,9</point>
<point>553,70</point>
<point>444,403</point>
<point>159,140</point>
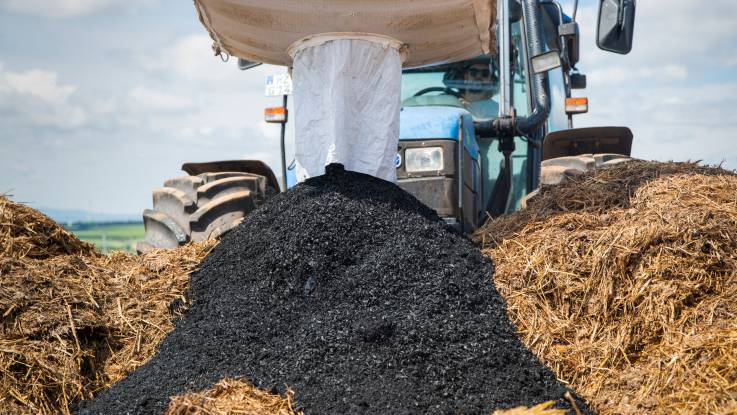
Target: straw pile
<point>73,321</point>
<point>236,397</point>
<point>545,408</point>
<point>26,233</point>
<point>624,282</point>
<point>231,397</point>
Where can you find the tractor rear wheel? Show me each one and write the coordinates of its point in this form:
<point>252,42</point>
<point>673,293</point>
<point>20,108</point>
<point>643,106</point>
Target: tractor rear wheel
<point>196,208</point>
<point>557,170</point>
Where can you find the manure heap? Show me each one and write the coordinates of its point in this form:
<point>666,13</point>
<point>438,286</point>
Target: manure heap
<point>74,321</point>
<point>624,281</point>
<point>357,297</point>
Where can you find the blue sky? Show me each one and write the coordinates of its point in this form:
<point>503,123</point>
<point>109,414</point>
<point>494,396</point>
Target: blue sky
<point>102,100</point>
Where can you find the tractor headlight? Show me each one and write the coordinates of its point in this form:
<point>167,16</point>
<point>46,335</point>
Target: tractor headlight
<point>423,159</point>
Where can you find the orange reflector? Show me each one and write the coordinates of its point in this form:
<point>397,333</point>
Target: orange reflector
<point>577,105</point>
<point>275,115</point>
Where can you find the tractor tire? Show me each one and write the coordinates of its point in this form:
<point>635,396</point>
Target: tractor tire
<point>557,170</point>
<point>196,208</point>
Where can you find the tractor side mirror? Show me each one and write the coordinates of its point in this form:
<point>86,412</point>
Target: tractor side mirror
<point>244,64</point>
<point>616,25</point>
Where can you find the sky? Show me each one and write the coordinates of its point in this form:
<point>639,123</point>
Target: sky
<point>103,100</point>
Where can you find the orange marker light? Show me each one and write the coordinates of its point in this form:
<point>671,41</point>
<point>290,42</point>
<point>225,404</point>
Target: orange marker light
<point>577,105</point>
<point>276,115</point>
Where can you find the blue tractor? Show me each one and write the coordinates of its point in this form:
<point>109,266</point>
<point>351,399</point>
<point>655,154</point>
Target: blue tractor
<point>476,137</point>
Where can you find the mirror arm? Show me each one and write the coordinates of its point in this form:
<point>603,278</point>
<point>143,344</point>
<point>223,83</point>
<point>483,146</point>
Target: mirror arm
<point>504,41</point>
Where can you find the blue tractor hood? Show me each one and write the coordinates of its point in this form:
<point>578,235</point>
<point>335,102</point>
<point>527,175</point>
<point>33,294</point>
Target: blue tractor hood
<point>430,122</point>
<point>438,123</point>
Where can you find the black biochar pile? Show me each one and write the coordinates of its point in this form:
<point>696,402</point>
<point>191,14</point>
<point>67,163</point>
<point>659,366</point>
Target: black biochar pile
<point>356,296</point>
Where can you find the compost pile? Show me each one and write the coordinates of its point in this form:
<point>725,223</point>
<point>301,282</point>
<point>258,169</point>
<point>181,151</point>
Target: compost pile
<point>624,282</point>
<point>352,293</point>
<point>73,321</point>
<point>25,233</point>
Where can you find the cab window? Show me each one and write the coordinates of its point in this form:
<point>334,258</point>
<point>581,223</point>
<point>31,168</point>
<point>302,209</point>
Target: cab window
<point>472,84</point>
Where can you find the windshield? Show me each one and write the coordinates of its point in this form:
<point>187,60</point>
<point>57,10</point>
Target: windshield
<point>471,84</point>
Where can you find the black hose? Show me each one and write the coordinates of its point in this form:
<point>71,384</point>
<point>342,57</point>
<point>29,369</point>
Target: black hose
<point>526,126</point>
<point>529,125</point>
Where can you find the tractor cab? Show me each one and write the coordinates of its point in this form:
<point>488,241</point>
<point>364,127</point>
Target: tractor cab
<point>475,135</point>
<point>442,159</point>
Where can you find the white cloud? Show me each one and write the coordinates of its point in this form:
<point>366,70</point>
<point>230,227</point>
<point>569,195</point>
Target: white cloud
<point>197,116</point>
<point>690,122</point>
<point>228,101</point>
<point>620,74</point>
<point>677,72</point>
<point>191,58</point>
<point>69,8</point>
<point>729,61</point>
<point>148,99</point>
<point>40,84</point>
<point>36,97</point>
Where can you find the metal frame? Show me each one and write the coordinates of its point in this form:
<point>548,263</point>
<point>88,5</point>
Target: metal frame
<point>505,103</point>
<point>564,53</point>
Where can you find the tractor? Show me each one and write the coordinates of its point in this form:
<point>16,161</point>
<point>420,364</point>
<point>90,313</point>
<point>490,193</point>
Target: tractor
<point>477,137</point>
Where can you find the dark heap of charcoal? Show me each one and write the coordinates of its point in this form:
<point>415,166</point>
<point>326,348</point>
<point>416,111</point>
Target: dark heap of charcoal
<point>356,296</point>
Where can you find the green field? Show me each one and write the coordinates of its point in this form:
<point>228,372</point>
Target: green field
<point>109,237</point>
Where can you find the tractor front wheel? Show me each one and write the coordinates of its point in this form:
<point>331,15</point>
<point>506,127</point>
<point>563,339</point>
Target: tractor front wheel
<point>196,208</point>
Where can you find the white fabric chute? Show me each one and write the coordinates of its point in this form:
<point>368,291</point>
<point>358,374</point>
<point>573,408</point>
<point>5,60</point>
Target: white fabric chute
<point>347,103</point>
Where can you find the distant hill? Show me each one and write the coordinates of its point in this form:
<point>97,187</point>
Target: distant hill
<point>65,216</point>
